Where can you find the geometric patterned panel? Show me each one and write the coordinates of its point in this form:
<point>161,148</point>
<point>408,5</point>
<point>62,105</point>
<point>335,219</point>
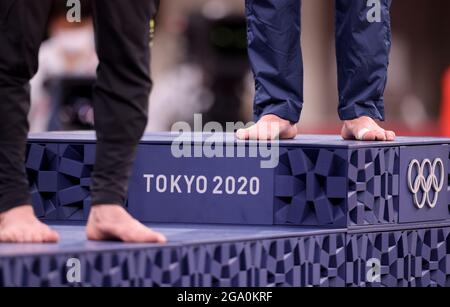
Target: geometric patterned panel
<point>219,265</point>
<point>308,261</point>
<point>139,268</point>
<point>373,192</point>
<point>337,187</point>
<point>410,258</point>
<point>430,257</point>
<point>32,271</point>
<point>59,176</point>
<point>388,251</point>
<point>310,187</point>
<point>75,167</point>
<point>42,169</point>
<point>312,261</point>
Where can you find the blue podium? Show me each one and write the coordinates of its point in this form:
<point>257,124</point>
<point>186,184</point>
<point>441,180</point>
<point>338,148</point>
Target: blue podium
<point>314,211</point>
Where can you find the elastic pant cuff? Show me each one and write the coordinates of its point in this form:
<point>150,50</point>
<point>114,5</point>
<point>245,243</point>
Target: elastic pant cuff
<point>282,111</point>
<point>374,110</point>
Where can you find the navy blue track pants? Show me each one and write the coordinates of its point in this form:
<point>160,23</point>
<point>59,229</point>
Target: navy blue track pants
<point>363,42</point>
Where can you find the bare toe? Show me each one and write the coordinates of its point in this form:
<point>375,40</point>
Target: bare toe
<point>27,237</point>
<point>143,234</point>
<point>257,132</point>
<point>37,238</point>
<point>5,236</point>
<point>380,135</point>
<point>368,136</point>
<point>242,134</point>
<point>390,135</point>
<point>50,236</point>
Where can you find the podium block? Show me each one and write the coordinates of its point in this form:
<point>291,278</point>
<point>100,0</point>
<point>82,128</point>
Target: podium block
<point>314,211</point>
<point>236,256</point>
<point>215,179</point>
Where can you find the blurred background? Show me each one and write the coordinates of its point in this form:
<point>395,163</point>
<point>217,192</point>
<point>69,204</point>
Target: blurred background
<point>199,65</point>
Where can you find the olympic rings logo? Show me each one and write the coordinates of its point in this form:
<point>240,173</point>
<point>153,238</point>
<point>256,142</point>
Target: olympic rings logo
<point>426,185</point>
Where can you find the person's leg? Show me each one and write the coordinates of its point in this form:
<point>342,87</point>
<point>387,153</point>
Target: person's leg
<point>120,106</point>
<point>363,42</point>
<point>22,28</point>
<point>273,35</point>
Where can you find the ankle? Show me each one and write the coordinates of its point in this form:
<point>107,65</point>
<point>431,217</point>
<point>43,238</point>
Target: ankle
<point>17,212</point>
<point>107,213</point>
<point>358,119</point>
<point>275,118</point>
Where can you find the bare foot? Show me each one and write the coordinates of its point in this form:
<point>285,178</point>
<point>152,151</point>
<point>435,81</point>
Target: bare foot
<point>20,225</point>
<point>112,222</point>
<point>365,129</point>
<point>269,127</point>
